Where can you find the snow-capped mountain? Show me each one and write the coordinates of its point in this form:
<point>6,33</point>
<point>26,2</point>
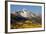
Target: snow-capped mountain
<point>22,15</point>
<point>25,13</point>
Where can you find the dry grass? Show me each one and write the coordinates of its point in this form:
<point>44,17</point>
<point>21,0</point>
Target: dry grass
<point>27,24</point>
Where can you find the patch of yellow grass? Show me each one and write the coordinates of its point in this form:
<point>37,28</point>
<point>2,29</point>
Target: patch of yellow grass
<point>26,26</point>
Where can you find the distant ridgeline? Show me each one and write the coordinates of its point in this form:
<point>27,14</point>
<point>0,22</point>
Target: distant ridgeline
<point>25,15</point>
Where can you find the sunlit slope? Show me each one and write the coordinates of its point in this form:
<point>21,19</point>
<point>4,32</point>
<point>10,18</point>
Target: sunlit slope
<point>27,24</point>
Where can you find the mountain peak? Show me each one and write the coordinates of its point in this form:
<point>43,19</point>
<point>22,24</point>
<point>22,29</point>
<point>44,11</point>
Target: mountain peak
<point>24,9</point>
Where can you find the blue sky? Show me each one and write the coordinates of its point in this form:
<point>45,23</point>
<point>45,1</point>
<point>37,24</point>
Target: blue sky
<point>34,9</point>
